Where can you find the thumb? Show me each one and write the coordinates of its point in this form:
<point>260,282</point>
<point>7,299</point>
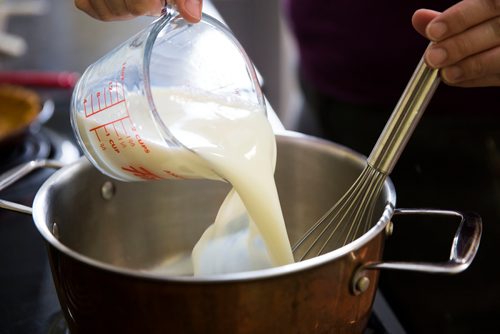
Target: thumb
<point>190,9</point>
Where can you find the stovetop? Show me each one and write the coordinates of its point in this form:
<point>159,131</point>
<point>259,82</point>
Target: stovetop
<point>29,302</point>
<point>28,299</point>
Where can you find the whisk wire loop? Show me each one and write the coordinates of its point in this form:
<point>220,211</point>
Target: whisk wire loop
<point>352,215</point>
<point>347,220</point>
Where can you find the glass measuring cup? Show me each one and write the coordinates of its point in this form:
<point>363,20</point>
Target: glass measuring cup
<point>115,110</point>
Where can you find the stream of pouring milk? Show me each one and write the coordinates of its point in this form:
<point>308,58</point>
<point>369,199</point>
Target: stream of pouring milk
<point>239,145</point>
<point>236,142</point>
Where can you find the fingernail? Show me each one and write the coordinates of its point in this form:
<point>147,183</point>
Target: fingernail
<point>436,56</point>
<point>452,74</point>
<point>436,30</point>
<point>193,7</point>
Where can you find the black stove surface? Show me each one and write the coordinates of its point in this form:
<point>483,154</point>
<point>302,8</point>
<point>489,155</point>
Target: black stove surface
<point>28,302</point>
<point>28,299</point>
<point>35,145</point>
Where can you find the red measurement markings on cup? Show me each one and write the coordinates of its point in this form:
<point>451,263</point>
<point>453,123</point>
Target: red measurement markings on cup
<point>142,172</point>
<point>146,174</point>
<point>109,97</point>
<point>115,129</point>
<point>123,138</point>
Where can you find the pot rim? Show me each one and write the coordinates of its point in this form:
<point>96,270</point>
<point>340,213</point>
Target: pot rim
<point>39,210</point>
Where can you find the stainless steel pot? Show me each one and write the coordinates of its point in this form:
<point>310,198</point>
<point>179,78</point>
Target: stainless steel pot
<point>106,240</point>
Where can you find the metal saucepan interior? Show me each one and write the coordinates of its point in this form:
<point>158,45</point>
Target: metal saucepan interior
<point>139,226</point>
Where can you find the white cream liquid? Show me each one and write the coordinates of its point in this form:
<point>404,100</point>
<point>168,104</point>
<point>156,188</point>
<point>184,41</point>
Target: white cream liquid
<point>238,144</point>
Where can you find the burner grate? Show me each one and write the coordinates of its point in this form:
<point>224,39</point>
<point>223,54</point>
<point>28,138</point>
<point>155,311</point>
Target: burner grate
<point>43,144</point>
<point>35,145</point>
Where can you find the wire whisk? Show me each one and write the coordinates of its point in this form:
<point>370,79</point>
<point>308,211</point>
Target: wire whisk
<point>352,215</point>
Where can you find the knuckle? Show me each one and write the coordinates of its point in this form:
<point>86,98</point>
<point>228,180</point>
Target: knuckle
<point>106,17</point>
<point>113,12</point>
<point>137,10</point>
<point>461,46</point>
<point>461,18</point>
<point>475,68</point>
<point>495,26</point>
<point>492,5</point>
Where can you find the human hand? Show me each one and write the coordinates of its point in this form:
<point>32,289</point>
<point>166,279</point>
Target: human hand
<point>466,42</point>
<point>113,10</point>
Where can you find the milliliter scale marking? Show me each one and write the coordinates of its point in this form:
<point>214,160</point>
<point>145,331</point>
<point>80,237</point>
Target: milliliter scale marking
<point>115,99</point>
<point>112,99</point>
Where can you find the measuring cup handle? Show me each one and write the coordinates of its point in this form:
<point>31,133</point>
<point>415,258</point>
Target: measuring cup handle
<point>15,174</point>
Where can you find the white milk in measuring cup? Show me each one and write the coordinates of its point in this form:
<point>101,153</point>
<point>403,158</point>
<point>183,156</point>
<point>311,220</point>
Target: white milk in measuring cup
<point>121,137</point>
<point>182,101</point>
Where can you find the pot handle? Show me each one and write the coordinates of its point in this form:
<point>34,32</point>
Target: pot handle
<point>463,249</point>
<point>16,173</point>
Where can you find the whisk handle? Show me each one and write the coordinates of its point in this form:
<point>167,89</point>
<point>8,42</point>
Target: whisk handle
<point>404,118</point>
